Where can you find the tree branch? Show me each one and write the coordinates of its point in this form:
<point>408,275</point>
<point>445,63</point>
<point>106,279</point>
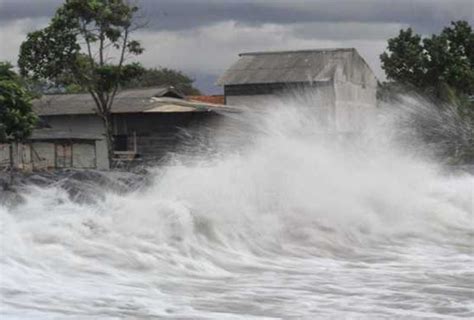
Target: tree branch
<point>119,68</point>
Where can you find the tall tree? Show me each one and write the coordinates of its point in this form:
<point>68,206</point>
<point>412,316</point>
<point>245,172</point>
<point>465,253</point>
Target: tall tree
<point>86,44</point>
<point>437,64</point>
<point>17,119</point>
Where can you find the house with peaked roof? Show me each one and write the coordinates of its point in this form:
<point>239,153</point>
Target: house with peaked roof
<point>340,78</point>
<point>148,124</point>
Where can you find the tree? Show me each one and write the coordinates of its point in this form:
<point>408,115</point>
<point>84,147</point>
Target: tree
<point>17,119</point>
<point>436,65</point>
<point>439,67</point>
<point>86,44</point>
<point>164,76</point>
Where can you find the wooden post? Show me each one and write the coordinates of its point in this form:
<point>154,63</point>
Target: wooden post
<point>135,142</point>
<point>12,164</point>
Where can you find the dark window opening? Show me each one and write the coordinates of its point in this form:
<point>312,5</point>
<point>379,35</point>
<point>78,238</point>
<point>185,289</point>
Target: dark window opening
<point>120,143</point>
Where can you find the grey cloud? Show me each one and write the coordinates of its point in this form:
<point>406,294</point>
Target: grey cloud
<point>345,31</point>
<point>202,37</point>
<point>27,9</point>
<point>424,15</point>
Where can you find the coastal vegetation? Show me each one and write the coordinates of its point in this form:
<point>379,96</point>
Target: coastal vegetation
<point>86,44</point>
<point>17,119</point>
<point>439,68</point>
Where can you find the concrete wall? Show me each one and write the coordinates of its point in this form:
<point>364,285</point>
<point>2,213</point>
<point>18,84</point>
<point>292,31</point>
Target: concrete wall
<point>355,97</point>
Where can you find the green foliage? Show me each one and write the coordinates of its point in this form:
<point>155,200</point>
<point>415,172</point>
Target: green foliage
<point>164,76</point>
<point>433,64</point>
<point>86,46</point>
<point>76,49</point>
<point>17,119</point>
<point>440,67</point>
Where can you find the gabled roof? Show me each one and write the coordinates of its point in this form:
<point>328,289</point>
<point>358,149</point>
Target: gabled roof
<point>127,101</point>
<point>290,66</point>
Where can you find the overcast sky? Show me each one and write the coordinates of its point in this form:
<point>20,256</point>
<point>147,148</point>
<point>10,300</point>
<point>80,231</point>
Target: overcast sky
<point>203,37</point>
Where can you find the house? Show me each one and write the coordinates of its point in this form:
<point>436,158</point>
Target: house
<point>48,148</point>
<point>148,124</point>
<point>342,80</point>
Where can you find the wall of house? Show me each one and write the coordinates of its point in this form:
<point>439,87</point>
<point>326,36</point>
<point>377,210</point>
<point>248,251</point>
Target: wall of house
<point>252,101</point>
<point>260,95</point>
<point>355,97</point>
<point>41,155</point>
<point>89,124</point>
<point>84,124</point>
<point>44,154</point>
<point>321,96</point>
<point>4,155</point>
<point>84,155</point>
<point>158,134</point>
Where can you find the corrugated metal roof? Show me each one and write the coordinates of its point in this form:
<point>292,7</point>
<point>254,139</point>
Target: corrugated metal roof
<point>128,101</point>
<point>217,99</point>
<point>178,105</point>
<point>287,66</point>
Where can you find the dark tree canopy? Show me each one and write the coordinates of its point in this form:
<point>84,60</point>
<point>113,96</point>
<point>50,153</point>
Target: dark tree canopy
<point>17,119</point>
<point>164,76</point>
<point>440,67</point>
<point>435,63</point>
<point>86,44</point>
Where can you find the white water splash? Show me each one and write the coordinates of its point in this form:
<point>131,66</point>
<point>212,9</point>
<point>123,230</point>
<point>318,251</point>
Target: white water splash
<point>295,225</point>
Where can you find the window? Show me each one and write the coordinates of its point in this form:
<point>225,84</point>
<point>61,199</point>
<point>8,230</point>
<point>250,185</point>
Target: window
<point>121,143</point>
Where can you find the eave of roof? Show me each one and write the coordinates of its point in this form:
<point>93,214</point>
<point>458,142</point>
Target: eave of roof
<point>130,101</point>
<point>255,53</point>
<point>52,134</point>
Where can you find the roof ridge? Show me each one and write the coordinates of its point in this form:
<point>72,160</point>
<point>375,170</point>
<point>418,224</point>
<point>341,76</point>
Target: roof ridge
<point>295,51</point>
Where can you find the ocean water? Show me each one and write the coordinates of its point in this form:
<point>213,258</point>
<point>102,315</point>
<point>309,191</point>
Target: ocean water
<point>286,222</point>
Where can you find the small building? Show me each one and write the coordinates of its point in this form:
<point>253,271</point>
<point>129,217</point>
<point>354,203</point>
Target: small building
<point>48,149</point>
<point>341,78</point>
<point>148,124</point>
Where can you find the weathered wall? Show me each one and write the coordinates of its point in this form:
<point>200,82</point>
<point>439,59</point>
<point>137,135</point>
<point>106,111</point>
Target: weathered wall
<point>319,95</point>
<point>42,155</point>
<point>102,155</point>
<point>89,124</point>
<point>354,106</point>
<point>158,134</point>
<point>4,155</point>
<point>21,154</point>
<point>44,152</point>
<point>252,101</point>
<point>86,124</point>
<point>355,96</point>
<point>84,155</point>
